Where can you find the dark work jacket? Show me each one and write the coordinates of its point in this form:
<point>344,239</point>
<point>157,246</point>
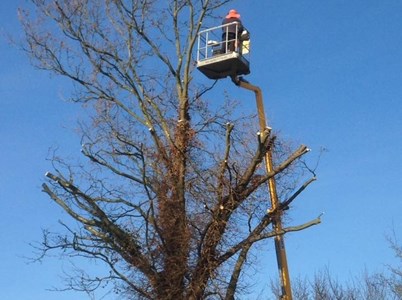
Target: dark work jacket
<point>232,28</point>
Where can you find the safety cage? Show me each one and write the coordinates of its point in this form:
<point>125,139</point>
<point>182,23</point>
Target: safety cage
<point>220,56</point>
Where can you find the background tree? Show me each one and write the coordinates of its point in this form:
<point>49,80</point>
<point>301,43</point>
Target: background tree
<point>323,286</point>
<point>172,196</point>
<point>395,280</point>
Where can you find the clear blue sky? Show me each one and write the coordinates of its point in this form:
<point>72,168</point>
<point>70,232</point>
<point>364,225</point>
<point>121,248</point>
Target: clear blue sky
<point>331,73</point>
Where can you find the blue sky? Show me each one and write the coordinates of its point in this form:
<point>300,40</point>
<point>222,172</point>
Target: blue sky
<point>331,74</point>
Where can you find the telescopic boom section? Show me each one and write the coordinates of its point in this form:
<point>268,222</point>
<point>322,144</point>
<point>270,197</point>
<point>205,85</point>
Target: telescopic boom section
<point>277,214</point>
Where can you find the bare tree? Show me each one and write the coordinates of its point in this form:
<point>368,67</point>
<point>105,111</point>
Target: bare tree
<point>172,196</point>
<point>395,281</point>
<point>324,286</point>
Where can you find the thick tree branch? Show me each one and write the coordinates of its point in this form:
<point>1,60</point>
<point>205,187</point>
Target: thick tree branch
<point>258,235</point>
<point>285,204</point>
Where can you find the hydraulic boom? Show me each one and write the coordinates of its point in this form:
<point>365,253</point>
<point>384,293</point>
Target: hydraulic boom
<point>277,213</point>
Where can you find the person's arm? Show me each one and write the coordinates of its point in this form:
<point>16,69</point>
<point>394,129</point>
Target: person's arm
<point>240,27</point>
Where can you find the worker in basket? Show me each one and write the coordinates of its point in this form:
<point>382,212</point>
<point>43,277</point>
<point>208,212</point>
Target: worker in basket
<point>231,34</point>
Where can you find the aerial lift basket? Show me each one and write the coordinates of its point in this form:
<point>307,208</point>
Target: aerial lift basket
<point>216,60</point>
